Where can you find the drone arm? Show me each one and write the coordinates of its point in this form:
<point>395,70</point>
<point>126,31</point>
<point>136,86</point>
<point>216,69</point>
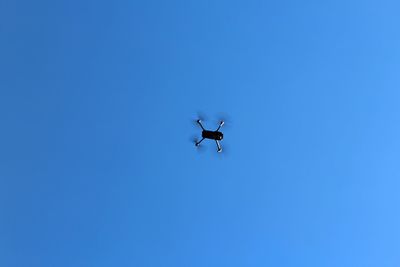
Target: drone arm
<point>201,125</point>
<point>198,143</point>
<point>219,126</point>
<point>218,146</point>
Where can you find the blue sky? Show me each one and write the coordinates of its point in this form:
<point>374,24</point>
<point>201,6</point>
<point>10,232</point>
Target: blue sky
<point>96,102</point>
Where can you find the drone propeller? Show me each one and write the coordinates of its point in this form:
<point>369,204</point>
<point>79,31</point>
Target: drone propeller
<point>201,116</point>
<point>224,120</point>
<point>196,142</point>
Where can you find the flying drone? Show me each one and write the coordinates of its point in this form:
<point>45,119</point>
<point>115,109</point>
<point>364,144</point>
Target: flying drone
<point>212,135</point>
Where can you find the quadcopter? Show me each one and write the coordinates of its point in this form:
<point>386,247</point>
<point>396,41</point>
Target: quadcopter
<point>213,135</point>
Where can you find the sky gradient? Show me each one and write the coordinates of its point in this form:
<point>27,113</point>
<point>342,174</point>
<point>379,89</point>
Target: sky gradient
<point>96,103</point>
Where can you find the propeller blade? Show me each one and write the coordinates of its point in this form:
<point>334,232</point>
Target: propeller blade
<point>201,116</point>
<point>224,119</point>
<point>199,147</point>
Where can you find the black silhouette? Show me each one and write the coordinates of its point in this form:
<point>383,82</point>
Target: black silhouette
<point>213,135</point>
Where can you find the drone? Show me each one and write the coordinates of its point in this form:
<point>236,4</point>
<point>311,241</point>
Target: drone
<point>213,135</point>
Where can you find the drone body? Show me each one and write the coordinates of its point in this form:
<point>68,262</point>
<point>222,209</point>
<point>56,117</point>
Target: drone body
<point>213,135</point>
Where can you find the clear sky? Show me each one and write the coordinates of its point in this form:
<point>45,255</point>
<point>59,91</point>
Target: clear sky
<point>96,102</point>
